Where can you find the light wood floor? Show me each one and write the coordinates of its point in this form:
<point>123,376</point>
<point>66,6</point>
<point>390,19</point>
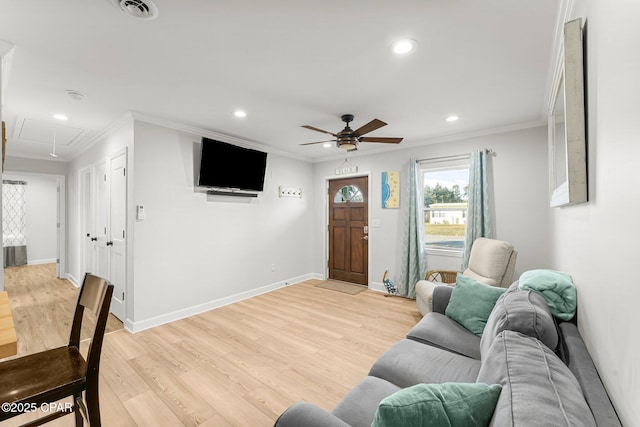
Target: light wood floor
<point>42,307</point>
<point>245,363</point>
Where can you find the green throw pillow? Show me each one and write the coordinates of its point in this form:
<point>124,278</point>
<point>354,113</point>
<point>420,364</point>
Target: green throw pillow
<point>471,303</point>
<point>431,405</point>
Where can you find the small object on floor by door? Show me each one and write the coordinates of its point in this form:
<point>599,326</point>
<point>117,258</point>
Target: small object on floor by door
<point>391,288</point>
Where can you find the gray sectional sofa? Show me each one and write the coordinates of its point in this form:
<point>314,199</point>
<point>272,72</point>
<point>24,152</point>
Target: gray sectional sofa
<point>546,373</point>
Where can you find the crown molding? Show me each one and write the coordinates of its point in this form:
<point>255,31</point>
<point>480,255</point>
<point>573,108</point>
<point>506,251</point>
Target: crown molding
<point>112,127</point>
<point>446,138</point>
<point>200,132</point>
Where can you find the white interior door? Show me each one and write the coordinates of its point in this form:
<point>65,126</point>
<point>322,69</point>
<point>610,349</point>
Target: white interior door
<point>86,222</point>
<point>117,242</point>
<point>101,221</point>
<point>58,219</point>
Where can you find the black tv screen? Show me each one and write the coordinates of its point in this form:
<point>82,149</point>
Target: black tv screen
<point>224,165</point>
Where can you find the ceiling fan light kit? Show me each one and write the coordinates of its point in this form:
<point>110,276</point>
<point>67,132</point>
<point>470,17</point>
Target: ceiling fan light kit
<point>348,139</point>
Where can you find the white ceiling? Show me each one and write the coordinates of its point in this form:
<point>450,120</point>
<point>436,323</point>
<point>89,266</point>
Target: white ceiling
<point>287,63</point>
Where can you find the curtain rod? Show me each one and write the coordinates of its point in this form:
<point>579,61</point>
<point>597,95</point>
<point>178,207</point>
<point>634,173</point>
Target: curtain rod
<point>9,181</point>
<point>453,157</point>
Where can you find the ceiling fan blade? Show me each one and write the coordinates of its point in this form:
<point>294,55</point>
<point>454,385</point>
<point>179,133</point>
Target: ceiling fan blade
<point>369,127</point>
<point>318,142</point>
<point>319,130</point>
<point>385,140</point>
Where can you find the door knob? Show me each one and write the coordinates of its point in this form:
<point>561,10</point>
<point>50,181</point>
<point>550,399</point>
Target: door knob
<point>94,239</point>
<point>109,243</point>
<point>366,237</point>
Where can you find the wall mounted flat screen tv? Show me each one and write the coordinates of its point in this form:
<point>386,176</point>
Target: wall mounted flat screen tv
<point>228,166</point>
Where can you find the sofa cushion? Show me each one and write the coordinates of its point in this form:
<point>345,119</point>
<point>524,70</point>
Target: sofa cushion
<point>409,362</point>
<point>440,331</point>
<point>538,388</point>
<point>471,303</point>
<point>457,404</point>
<point>581,365</point>
<point>308,415</point>
<point>522,311</point>
<point>359,406</point>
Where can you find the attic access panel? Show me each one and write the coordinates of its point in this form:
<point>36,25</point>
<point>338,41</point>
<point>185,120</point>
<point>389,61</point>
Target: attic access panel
<point>35,130</point>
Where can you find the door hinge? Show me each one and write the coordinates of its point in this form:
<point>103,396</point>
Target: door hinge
<point>105,177</point>
<point>124,171</point>
<point>123,234</point>
<point>123,296</point>
<point>57,260</point>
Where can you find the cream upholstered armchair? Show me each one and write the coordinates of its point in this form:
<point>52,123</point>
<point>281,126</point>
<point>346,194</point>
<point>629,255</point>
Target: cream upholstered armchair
<point>491,261</point>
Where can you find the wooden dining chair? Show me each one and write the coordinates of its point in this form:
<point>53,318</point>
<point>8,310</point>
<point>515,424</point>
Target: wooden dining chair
<point>41,380</point>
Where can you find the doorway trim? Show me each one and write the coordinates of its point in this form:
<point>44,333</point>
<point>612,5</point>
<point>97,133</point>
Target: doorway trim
<point>366,174</point>
<point>61,244</point>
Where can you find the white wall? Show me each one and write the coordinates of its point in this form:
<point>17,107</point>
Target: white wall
<point>520,188</point>
<point>23,164</point>
<point>41,204</point>
<point>596,242</point>
<point>195,252</point>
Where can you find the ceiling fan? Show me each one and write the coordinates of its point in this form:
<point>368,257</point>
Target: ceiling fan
<point>348,139</point>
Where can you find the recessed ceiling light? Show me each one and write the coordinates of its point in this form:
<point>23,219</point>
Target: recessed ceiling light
<point>326,145</point>
<point>452,118</point>
<point>240,113</point>
<point>403,47</point>
<point>60,117</point>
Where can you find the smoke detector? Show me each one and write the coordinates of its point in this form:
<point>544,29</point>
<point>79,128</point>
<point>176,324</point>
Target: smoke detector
<point>141,9</point>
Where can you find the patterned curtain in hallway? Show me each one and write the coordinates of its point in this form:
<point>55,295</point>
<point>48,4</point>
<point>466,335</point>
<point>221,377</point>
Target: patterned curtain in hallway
<point>14,230</point>
<point>413,262</point>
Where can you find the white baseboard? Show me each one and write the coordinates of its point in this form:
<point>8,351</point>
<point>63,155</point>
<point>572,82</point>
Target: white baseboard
<point>142,325</point>
<point>378,287</point>
<point>75,282</point>
<point>41,261</point>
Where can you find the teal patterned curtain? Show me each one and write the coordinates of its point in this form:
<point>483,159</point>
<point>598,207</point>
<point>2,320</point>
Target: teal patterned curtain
<point>413,265</point>
<point>479,213</point>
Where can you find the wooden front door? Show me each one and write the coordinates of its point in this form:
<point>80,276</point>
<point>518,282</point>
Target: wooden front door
<point>348,230</point>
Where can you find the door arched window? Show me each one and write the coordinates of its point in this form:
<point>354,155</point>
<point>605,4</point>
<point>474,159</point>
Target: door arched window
<point>348,193</point>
